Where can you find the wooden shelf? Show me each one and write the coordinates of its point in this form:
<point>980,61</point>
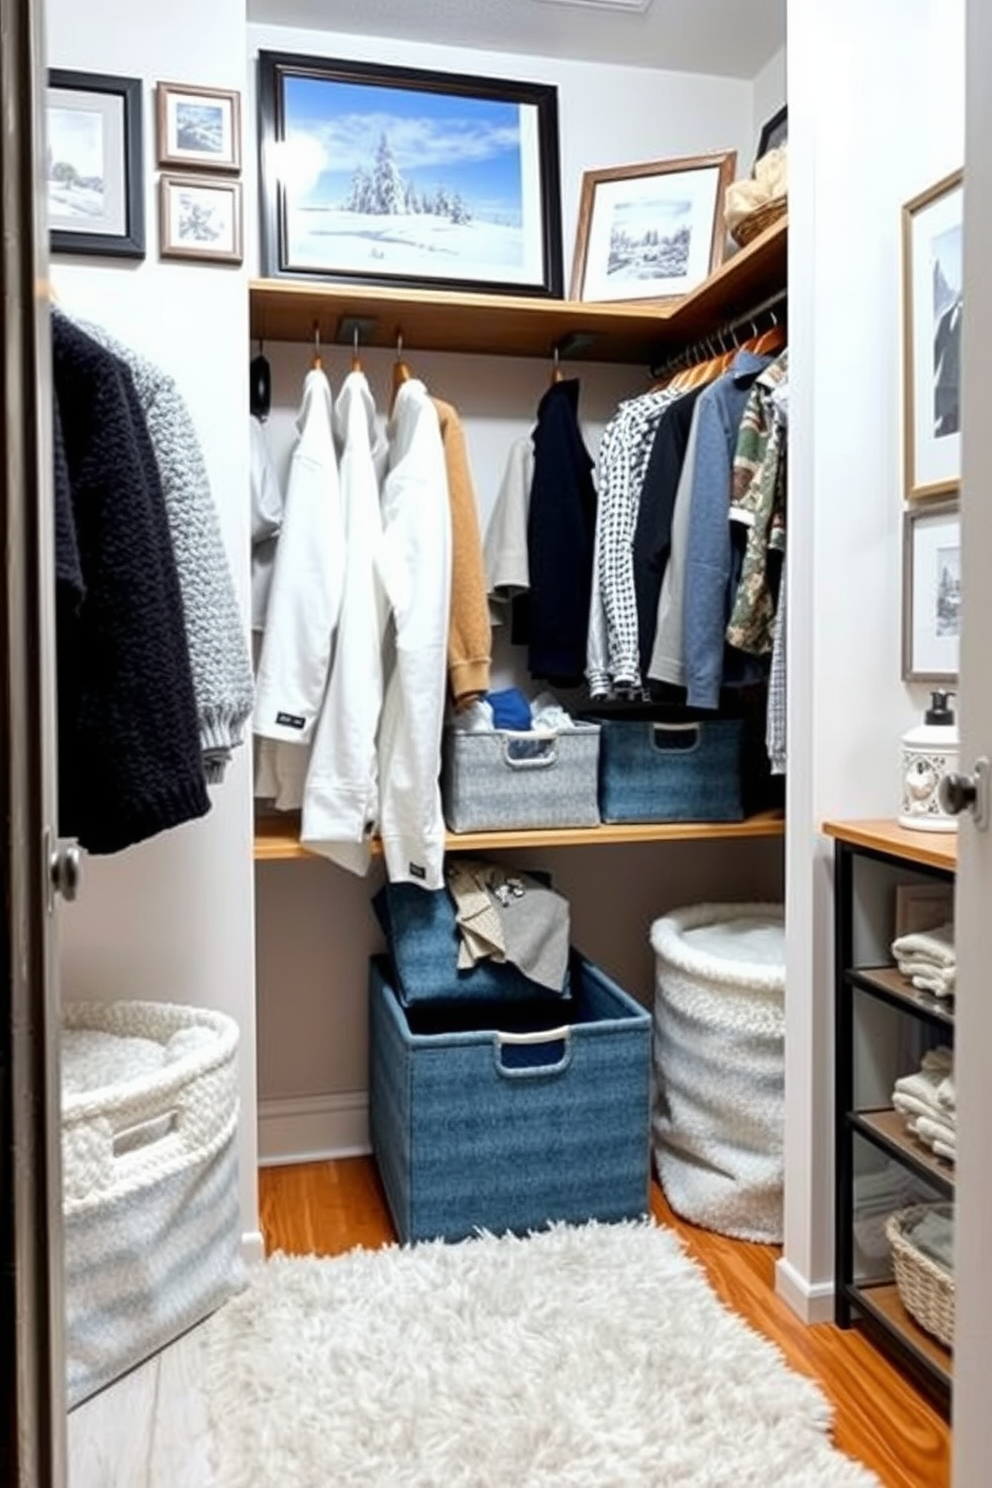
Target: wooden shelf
<point>520,325</point>
<point>887,1129</point>
<point>277,837</point>
<point>884,1304</point>
<point>889,982</point>
<point>882,835</point>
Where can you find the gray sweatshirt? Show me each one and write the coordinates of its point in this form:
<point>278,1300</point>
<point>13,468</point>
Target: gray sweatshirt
<point>218,651</point>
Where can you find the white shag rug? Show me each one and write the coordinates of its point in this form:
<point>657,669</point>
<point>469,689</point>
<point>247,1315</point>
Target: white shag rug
<point>595,1356</point>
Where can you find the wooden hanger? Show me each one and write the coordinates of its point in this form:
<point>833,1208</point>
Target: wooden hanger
<point>316,361</point>
<point>356,361</point>
<point>556,373</point>
<point>401,372</point>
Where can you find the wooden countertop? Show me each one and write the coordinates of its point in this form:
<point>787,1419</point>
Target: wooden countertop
<point>884,834</point>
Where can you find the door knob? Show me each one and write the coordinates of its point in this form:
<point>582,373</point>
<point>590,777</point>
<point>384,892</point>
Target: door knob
<point>64,868</point>
<point>959,792</point>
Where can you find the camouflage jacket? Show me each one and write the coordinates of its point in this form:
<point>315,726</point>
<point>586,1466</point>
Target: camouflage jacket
<point>758,503</point>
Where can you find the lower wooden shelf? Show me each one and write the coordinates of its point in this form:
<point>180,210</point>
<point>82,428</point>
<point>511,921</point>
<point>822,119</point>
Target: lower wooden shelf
<point>277,838</point>
<point>883,1303</point>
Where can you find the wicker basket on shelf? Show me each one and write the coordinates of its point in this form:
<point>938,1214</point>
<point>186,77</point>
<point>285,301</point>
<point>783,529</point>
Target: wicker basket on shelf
<point>755,222</point>
<point>926,1288</point>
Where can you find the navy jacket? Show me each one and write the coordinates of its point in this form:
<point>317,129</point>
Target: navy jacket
<point>130,763</point>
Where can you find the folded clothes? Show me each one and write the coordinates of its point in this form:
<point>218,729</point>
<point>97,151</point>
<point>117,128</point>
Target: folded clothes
<point>940,980</point>
<point>511,710</point>
<point>946,1093</point>
<point>935,946</point>
<point>547,713</point>
<point>506,916</point>
<point>913,1109</point>
<point>932,1132</point>
<point>933,1233</point>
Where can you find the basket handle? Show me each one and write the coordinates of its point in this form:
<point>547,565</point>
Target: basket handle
<point>548,754</point>
<point>673,738</point>
<point>560,1035</point>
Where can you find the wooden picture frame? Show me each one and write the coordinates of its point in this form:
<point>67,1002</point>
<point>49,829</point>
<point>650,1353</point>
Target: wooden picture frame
<point>932,314</point>
<point>398,176</point>
<point>94,171</point>
<point>931,592</point>
<point>774,132</point>
<point>200,218</point>
<point>652,231</point>
<point>198,128</point>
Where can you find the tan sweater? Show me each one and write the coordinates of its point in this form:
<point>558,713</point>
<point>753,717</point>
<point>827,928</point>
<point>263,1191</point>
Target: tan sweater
<point>469,636</point>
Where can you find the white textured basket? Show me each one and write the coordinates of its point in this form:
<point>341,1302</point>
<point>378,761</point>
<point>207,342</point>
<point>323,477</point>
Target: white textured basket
<point>150,1182</point>
<point>719,1027</point>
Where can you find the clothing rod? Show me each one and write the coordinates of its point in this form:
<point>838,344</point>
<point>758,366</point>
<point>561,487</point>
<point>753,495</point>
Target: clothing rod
<point>702,347</point>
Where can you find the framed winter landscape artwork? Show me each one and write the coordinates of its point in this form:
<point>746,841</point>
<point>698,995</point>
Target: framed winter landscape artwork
<point>93,164</point>
<point>931,592</point>
<point>198,128</point>
<point>200,218</point>
<point>932,311</point>
<point>651,231</point>
<point>392,176</point>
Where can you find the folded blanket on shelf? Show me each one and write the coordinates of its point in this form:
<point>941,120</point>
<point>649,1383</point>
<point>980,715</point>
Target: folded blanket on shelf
<point>934,946</point>
<point>940,980</point>
<point>938,1135</point>
<point>946,1094</point>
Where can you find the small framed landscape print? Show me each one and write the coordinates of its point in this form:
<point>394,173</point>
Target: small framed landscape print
<point>389,175</point>
<point>932,313</point>
<point>93,164</point>
<point>651,231</point>
<point>931,593</point>
<point>774,132</point>
<point>200,218</point>
<point>198,128</point>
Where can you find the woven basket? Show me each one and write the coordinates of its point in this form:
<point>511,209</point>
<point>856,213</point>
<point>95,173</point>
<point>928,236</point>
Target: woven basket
<point>755,222</point>
<point>926,1289</point>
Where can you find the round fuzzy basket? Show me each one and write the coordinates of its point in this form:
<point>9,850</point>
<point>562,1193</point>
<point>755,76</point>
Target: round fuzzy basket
<point>719,1038</point>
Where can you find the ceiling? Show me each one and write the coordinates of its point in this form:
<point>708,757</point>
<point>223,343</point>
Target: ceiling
<point>732,37</point>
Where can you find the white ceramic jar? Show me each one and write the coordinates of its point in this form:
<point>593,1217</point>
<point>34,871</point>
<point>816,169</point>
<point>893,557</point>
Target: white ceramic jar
<point>929,752</point>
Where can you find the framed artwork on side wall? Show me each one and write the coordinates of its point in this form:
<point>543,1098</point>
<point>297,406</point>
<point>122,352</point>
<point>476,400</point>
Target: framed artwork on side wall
<point>932,313</point>
<point>93,164</point>
<point>397,176</point>
<point>931,592</point>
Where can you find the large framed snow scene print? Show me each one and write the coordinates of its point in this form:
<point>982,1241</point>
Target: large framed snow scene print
<point>394,176</point>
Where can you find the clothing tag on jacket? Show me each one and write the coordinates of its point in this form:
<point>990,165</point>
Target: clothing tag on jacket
<point>417,871</point>
<point>291,720</point>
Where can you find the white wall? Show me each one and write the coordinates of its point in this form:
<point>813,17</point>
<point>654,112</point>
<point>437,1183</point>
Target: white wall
<point>848,706</point>
<point>315,928</point>
<point>173,918</point>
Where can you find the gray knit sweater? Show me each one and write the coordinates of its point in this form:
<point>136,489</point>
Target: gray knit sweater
<point>218,652</point>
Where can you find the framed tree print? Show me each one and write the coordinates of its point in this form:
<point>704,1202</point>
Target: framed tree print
<point>932,316</point>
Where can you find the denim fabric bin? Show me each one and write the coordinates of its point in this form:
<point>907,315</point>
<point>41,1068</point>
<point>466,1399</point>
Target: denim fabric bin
<point>504,781</point>
<point>473,1130</point>
<point>421,929</point>
<point>656,772</point>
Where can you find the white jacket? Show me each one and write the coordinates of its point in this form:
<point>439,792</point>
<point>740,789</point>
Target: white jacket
<point>340,802</point>
<point>304,603</point>
<point>415,566</point>
<point>307,580</point>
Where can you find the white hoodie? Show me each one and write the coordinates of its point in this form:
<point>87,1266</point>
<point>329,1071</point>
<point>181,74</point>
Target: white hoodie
<point>304,601</point>
<point>415,567</point>
<point>340,802</point>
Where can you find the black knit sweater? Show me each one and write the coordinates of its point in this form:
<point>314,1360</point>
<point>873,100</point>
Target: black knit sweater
<point>130,763</point>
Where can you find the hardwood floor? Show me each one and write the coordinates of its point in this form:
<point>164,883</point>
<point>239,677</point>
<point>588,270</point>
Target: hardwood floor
<point>326,1208</point>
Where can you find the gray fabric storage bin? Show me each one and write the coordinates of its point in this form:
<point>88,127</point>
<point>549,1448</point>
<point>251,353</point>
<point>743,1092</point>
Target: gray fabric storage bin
<point>499,781</point>
<point>151,1209</point>
<point>510,1116</point>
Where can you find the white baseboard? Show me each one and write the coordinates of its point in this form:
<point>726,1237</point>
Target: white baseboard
<point>813,1303</point>
<point>310,1127</point>
<point>252,1247</point>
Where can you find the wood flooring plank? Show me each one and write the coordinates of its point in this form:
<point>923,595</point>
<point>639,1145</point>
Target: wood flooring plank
<point>880,1417</point>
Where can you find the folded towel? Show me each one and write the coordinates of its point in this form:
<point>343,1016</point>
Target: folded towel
<point>946,1093</point>
<point>936,945</point>
<point>922,1086</point>
<point>931,1131</point>
<point>940,980</point>
<point>943,1149</point>
<point>909,1105</point>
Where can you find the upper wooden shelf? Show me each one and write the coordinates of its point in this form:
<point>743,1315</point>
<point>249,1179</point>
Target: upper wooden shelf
<point>934,849</point>
<point>518,325</point>
<point>277,838</point>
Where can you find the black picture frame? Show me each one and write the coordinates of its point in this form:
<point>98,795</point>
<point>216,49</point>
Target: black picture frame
<point>435,170</point>
<point>774,132</point>
<point>117,202</point>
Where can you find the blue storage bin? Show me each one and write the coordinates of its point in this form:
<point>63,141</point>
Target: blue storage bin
<point>421,929</point>
<point>656,772</point>
<point>475,1125</point>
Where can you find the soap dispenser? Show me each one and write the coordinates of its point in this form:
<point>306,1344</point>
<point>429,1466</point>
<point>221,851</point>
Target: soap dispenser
<point>929,752</point>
